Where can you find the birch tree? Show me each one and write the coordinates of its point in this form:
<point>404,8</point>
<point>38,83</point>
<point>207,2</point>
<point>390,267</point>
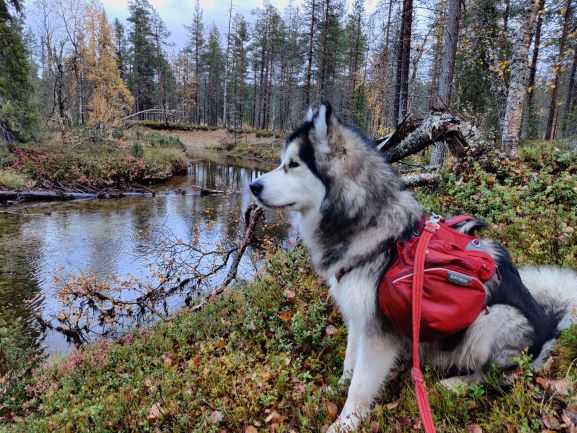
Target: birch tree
<point>518,81</point>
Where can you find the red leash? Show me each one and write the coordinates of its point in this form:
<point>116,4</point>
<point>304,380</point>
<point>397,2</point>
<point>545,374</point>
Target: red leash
<point>418,276</point>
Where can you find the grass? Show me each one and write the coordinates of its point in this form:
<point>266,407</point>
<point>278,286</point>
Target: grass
<point>93,165</point>
<point>267,355</point>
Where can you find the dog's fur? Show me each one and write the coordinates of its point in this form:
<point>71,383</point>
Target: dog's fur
<point>353,207</point>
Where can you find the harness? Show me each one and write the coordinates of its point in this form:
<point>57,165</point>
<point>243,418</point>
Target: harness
<point>434,288</point>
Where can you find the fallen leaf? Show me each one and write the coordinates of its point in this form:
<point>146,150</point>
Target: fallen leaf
<point>275,418</point>
<point>561,386</point>
<point>289,294</point>
<point>474,428</point>
<point>250,429</point>
<point>155,412</point>
<point>332,410</point>
<point>331,330</point>
<point>216,417</point>
<point>392,406</point>
<point>167,360</point>
<point>551,422</point>
<point>543,382</point>
<point>571,416</point>
<point>286,316</point>
<point>265,375</point>
<point>374,427</point>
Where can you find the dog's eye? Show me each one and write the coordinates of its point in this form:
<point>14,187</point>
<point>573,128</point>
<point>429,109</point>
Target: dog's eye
<point>293,164</point>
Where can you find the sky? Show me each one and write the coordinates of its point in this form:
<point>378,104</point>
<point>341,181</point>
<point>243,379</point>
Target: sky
<point>177,13</point>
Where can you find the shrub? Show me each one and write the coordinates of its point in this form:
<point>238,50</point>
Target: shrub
<point>136,150</point>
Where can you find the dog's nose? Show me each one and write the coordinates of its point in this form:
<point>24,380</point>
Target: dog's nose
<point>256,187</point>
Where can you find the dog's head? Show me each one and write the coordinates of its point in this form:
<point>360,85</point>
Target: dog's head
<point>313,156</point>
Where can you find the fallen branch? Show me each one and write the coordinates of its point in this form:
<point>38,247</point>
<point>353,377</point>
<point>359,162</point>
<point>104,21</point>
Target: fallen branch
<point>253,215</point>
<point>421,179</point>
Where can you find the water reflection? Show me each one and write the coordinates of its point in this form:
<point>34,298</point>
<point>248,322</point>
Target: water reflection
<point>103,236</point>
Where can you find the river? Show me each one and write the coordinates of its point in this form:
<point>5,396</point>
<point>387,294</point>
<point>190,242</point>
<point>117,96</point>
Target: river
<point>104,236</point>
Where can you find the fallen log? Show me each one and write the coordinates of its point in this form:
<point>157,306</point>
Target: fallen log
<point>413,135</point>
<point>25,196</point>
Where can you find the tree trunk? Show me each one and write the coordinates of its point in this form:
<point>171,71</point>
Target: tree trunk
<point>224,105</point>
<point>549,132</point>
<point>518,81</point>
<point>310,56</point>
<point>568,107</point>
<point>385,61</point>
<point>532,72</point>
<point>446,70</point>
<point>405,56</point>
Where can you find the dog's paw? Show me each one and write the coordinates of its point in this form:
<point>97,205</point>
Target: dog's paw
<point>345,378</point>
<point>346,424</point>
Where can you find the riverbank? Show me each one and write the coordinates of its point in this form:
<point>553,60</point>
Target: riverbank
<point>132,161</point>
<point>260,145</point>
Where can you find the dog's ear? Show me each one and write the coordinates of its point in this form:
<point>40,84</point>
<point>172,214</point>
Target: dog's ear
<point>324,120</point>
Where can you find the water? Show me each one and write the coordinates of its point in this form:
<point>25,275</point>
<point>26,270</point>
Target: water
<point>104,236</point>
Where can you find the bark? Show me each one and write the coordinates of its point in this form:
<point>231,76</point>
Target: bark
<point>532,72</point>
<point>385,61</point>
<point>518,81</point>
<point>224,107</point>
<point>401,101</point>
<point>446,70</point>
<point>568,107</point>
<point>549,132</point>
<point>310,55</point>
<point>421,179</point>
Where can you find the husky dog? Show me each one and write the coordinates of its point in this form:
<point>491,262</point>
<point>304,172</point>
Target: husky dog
<point>353,208</point>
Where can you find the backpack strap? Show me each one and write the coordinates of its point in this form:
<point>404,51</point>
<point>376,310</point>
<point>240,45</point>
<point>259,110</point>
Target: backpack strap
<point>431,227</point>
<point>456,220</point>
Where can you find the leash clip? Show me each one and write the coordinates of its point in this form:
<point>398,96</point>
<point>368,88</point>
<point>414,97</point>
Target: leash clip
<point>432,224</point>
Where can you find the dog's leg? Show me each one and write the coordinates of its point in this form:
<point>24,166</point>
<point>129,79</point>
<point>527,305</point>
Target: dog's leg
<point>376,355</point>
<point>351,353</point>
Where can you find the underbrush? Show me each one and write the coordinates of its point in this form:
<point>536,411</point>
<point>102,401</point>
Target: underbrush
<point>530,204</point>
<point>267,357</point>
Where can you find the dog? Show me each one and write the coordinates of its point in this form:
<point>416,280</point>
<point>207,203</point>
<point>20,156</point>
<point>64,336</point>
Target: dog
<point>353,208</point>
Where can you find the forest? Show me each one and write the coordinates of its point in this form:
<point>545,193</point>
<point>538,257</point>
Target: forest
<point>509,66</point>
<point>143,290</point>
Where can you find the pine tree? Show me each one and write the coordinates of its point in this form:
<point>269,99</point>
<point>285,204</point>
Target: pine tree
<point>121,47</point>
<point>214,61</point>
<point>142,59</point>
<point>356,46</point>
<point>18,117</point>
<point>196,48</point>
<point>160,35</point>
<point>109,97</point>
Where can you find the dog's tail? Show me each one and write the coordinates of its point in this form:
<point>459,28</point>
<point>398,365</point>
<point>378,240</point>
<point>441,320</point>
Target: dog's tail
<point>555,289</point>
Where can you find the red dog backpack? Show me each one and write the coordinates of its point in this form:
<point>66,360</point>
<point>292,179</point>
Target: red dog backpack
<point>455,267</point>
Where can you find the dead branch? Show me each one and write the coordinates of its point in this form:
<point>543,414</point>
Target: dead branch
<point>421,179</point>
<point>253,215</point>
